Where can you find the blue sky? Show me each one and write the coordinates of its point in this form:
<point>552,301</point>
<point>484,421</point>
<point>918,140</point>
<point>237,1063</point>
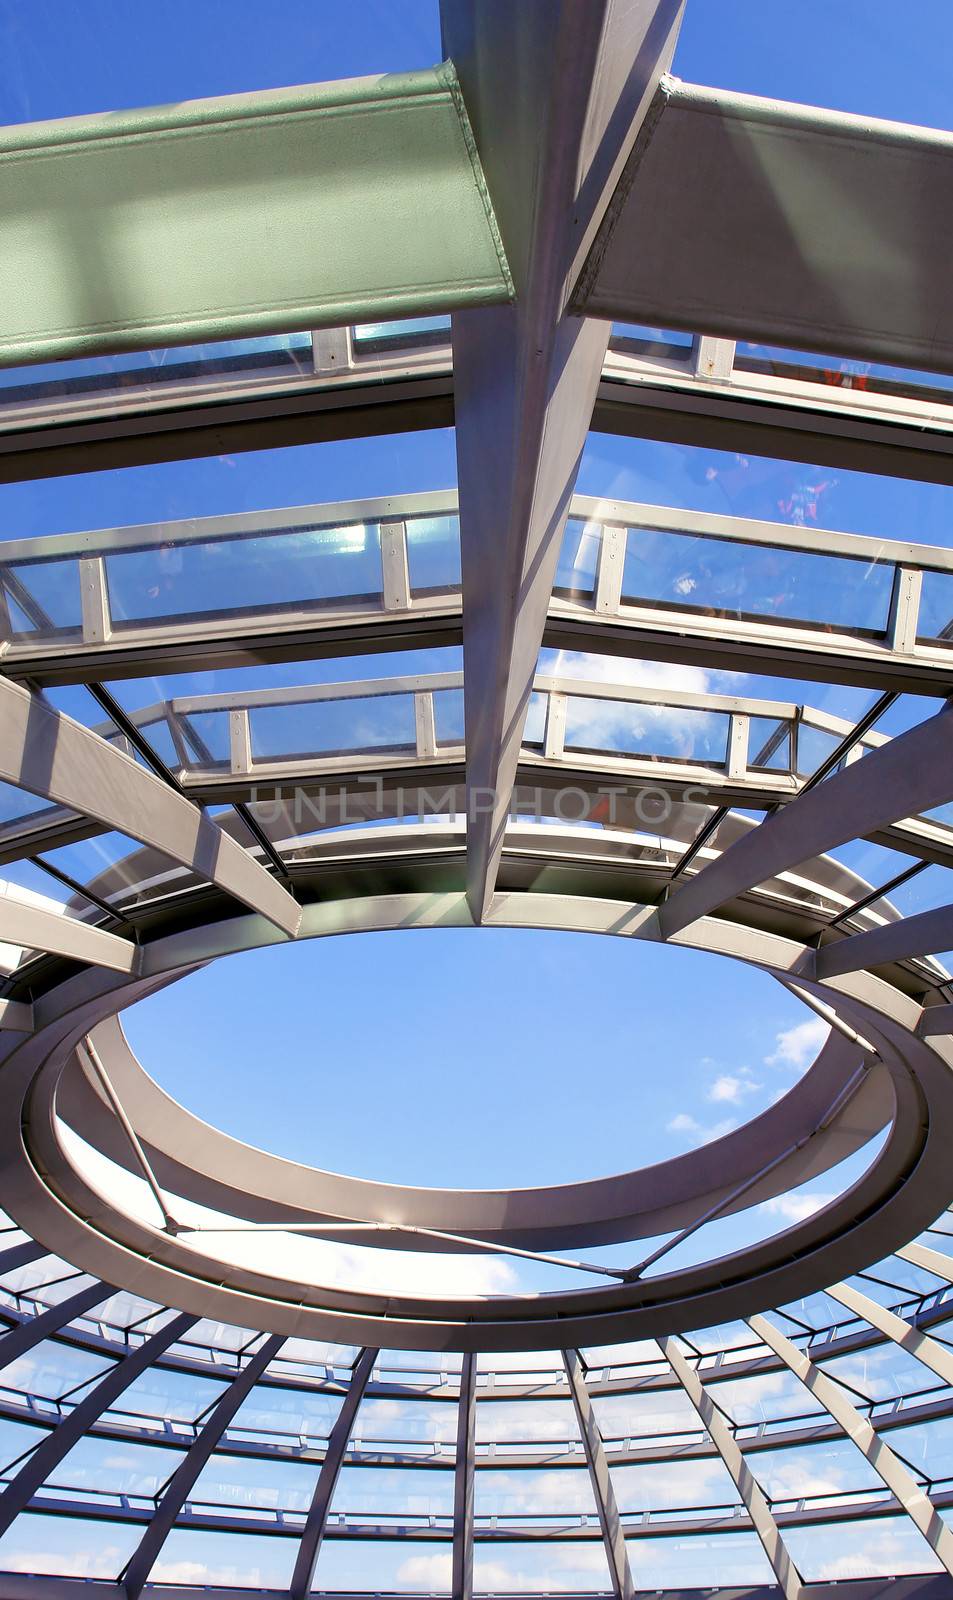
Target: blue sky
<point>486,1058</point>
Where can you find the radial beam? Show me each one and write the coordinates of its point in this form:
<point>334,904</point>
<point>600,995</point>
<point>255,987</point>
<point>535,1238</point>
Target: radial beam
<point>936,1356</point>
<point>48,753</point>
<point>556,92</point>
<point>48,1455</point>
<point>461,1587</point>
<point>617,1555</point>
<point>920,935</point>
<point>902,778</point>
<point>807,227</point>
<point>166,225</point>
<point>888,1467</point>
<point>32,1330</point>
<point>21,1255</point>
<point>34,927</point>
<point>310,1547</point>
<point>183,1479</point>
<point>740,1473</point>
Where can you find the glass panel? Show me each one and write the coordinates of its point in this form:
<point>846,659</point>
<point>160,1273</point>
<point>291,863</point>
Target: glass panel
<point>47,594</point>
<point>166,1395</point>
<point>827,1473</point>
<point>769,745</point>
<point>724,578</point>
<point>763,1398</point>
<point>645,1416</point>
<point>384,1566</point>
<point>68,1546</point>
<point>234,1560</point>
<point>244,1483</point>
<point>325,727</point>
<point>647,730</point>
<point>935,620</point>
<point>290,570</point>
<point>839,372</point>
<point>516,1568</point>
<point>698,1561</point>
<point>871,1548</point>
<point>538,1496</point>
<point>407,1421</point>
<point>674,1486</point>
<point>448,716</point>
<point>286,1414</point>
<point>54,1370</point>
<point>406,330</point>
<point>383,1494</point>
<point>100,1467</point>
<point>507,1422</point>
<point>433,553</point>
<point>639,339</point>
<point>579,557</point>
<point>278,355</point>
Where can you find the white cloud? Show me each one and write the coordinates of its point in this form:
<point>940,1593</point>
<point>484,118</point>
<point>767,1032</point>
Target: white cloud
<point>101,1563</point>
<point>795,1207</point>
<point>730,1088</point>
<point>617,724</point>
<point>701,1132</point>
<point>433,1573</point>
<point>795,1047</point>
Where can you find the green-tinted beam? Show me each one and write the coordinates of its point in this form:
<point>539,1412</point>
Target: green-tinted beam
<point>291,209</point>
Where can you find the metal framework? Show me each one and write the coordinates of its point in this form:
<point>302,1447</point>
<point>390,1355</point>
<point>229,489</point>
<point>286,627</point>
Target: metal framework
<point>531,175</point>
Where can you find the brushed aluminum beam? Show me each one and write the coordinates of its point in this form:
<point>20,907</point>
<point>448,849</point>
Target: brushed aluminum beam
<point>556,92</point>
<point>756,1505</point>
<point>48,1455</point>
<point>923,934</point>
<point>888,1467</point>
<point>33,927</point>
<point>48,753</point>
<point>810,229</point>
<point>21,1255</point>
<point>461,1584</point>
<point>911,774</point>
<point>183,1479</point>
<point>32,1330</point>
<point>613,1538</point>
<point>310,1547</point>
<point>937,1357</point>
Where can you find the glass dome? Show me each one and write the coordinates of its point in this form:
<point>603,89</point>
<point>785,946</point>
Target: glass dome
<point>502,496</point>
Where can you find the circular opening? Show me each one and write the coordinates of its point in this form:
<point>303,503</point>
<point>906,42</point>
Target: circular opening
<point>476,1058</point>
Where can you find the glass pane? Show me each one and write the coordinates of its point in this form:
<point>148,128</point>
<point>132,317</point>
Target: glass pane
<point>291,570</point>
<point>433,553</point>
<point>723,578</point>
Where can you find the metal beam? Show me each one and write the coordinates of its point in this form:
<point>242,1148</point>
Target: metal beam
<point>938,1357</point>
<point>170,222</point>
<point>910,774</point>
<point>556,92</point>
<point>617,1556</point>
<point>33,927</point>
<point>461,1586</point>
<point>310,1546</point>
<point>922,1255</point>
<point>722,1436</point>
<point>48,1455</point>
<point>920,935</point>
<point>183,1479</point>
<point>21,1255</point>
<point>48,753</point>
<point>809,228</point>
<point>888,1467</point>
<point>32,1330</point>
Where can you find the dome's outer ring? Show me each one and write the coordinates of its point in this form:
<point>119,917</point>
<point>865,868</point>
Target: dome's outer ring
<point>895,1199</point>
